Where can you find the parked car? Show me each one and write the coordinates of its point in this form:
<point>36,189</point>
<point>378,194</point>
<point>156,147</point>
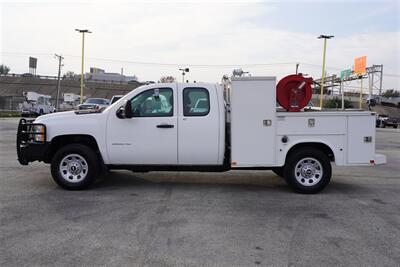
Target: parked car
<point>115,98</point>
<point>391,122</point>
<point>380,118</point>
<point>383,121</point>
<point>94,104</point>
<point>27,75</point>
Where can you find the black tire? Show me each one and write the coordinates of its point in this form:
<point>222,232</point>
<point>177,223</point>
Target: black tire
<point>90,162</point>
<point>305,184</point>
<point>278,171</point>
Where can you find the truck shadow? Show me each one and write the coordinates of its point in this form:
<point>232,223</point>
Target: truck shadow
<point>250,180</point>
<point>234,180</point>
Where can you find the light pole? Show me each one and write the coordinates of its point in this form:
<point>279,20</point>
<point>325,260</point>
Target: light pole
<point>325,37</point>
<point>183,73</point>
<point>83,57</point>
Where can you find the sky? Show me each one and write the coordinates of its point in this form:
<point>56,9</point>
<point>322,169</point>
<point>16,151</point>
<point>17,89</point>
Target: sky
<point>155,38</point>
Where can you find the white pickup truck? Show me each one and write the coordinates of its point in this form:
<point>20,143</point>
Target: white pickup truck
<point>200,127</point>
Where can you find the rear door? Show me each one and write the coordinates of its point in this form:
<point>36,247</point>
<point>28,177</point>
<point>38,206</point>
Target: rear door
<point>198,125</point>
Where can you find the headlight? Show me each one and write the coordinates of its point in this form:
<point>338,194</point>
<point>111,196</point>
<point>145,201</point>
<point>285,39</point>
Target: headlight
<point>39,135</point>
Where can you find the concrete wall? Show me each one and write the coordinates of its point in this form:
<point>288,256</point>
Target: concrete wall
<point>14,86</point>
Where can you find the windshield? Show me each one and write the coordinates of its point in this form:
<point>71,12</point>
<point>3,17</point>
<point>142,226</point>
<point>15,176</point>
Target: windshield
<point>123,97</point>
<point>96,101</point>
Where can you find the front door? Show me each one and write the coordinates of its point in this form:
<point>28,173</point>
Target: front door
<point>150,137</point>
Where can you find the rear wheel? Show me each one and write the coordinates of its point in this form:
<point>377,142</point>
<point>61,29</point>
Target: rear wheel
<point>308,170</point>
<point>75,167</point>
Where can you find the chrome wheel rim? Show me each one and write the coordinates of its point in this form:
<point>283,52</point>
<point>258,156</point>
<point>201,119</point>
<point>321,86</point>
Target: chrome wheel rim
<point>73,168</point>
<point>308,171</point>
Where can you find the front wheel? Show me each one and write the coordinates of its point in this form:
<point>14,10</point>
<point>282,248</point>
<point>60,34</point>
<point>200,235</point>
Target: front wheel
<point>308,170</point>
<point>74,167</point>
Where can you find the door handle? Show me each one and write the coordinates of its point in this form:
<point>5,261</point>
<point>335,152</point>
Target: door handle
<point>165,126</point>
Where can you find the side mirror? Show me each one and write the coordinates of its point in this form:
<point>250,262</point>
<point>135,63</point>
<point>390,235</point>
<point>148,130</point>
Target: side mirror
<point>121,113</point>
<point>125,111</point>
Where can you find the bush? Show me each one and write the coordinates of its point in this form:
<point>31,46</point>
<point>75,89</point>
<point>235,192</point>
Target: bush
<point>337,103</point>
<point>391,93</point>
<point>6,114</point>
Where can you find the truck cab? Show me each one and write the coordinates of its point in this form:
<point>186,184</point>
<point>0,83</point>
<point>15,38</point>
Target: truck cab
<point>163,123</point>
<point>200,127</point>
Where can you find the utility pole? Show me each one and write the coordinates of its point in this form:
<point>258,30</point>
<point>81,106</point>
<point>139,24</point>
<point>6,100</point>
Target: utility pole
<point>60,59</point>
<point>83,57</point>
<point>325,37</point>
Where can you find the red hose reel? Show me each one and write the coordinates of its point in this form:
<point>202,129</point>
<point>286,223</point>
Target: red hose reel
<point>294,92</point>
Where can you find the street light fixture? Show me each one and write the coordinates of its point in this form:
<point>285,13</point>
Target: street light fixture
<point>183,73</point>
<point>325,37</point>
<point>83,56</point>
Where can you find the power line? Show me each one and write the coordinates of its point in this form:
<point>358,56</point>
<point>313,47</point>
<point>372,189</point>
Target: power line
<point>159,63</point>
<point>146,63</point>
<point>167,64</point>
<point>25,54</point>
<point>188,64</point>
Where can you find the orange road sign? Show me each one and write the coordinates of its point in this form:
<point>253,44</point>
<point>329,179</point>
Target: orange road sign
<point>360,65</point>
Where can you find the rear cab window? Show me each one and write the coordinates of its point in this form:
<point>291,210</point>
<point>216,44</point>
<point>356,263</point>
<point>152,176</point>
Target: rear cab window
<point>196,101</point>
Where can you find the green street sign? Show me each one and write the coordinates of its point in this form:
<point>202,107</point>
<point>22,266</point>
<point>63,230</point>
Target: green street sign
<point>345,74</point>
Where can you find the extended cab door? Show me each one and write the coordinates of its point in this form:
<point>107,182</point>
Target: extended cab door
<point>198,125</point>
<point>150,137</point>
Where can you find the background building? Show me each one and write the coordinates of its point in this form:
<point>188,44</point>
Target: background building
<point>97,74</point>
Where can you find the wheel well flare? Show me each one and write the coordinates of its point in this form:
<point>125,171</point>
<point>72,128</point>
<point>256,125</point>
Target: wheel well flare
<point>320,146</point>
<point>62,140</point>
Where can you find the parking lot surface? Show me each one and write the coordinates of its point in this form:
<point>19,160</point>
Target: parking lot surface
<point>199,219</point>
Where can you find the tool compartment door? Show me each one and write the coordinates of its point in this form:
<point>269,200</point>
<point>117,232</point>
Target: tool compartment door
<point>253,108</point>
<point>360,139</point>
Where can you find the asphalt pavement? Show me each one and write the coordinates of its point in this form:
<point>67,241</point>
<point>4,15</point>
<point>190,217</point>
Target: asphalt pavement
<point>242,218</point>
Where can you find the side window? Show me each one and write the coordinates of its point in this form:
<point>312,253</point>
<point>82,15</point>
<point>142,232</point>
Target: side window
<point>153,103</point>
<point>196,102</point>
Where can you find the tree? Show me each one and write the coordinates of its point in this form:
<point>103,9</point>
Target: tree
<point>167,79</point>
<point>69,74</point>
<point>4,69</point>
<point>391,93</point>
